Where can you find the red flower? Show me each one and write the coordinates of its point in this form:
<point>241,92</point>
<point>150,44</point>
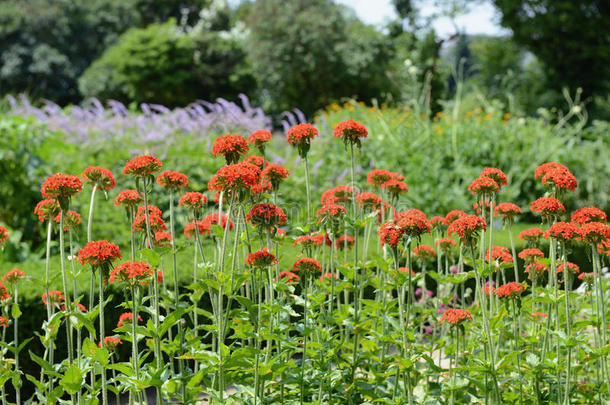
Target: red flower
<point>588,214</point>
<point>261,259</point>
<point>507,211</point>
<point>111,343</point>
<point>560,179</point>
<point>540,315</point>
<point>289,277</point>
<point>405,270</point>
<point>424,252</point>
<point>368,201</point>
<point>391,234</point>
<point>351,132</point>
<point>203,227</point>
<point>266,216</point>
<point>275,174</point>
<point>338,194</point>
<point>193,200</point>
<point>594,232</point>
<point>413,222</point>
<point>126,318</point>
<point>3,235</point>
<point>61,186</point>
<point>132,273</point>
<point>99,253</point>
<point>4,295</point>
<point>445,243</point>
<point>257,161</point>
<point>604,247</point>
<point>531,235</point>
<point>331,212</point>
<point>499,253</point>
<point>545,167</point>
<point>547,207</point>
<point>536,269</point>
<point>478,207</point>
<point>307,241</point>
<point>437,222</point>
<point>531,255</point>
<point>511,290</point>
<point>455,316</point>
<point>395,187</point>
<point>3,322</point>
<point>152,210</point>
<point>100,176</point>
<point>77,305</point>
<point>212,219</point>
<point>71,220</point>
<point>47,209</point>
<point>128,198</point>
<point>496,175</point>
<point>572,268</point>
<point>327,276</point>
<point>259,138</point>
<point>377,177</point>
<point>13,276</point>
<point>155,222</point>
<point>467,227</point>
<point>483,186</point>
<point>453,215</point>
<point>306,266</point>
<point>260,188</point>
<point>345,242</point>
<point>140,166</point>
<point>171,179</point>
<point>301,133</point>
<point>562,231</point>
<point>231,146</point>
<point>588,278</point>
<point>55,298</point>
<point>238,177</point>
<point>163,238</point>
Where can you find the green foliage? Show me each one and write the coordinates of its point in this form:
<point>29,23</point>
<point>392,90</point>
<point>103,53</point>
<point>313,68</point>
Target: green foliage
<point>307,54</point>
<point>150,64</point>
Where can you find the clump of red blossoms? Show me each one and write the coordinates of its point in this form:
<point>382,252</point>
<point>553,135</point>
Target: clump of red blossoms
<point>391,234</point>
<point>559,179</point>
<point>155,222</point>
<point>61,186</point>
<point>536,269</point>
<point>437,223</point>
<point>13,276</point>
<point>455,316</point>
<point>71,220</point>
<point>275,174</point>
<point>547,207</point>
<point>453,215</point>
<point>111,343</point>
<point>126,318</point>
<point>300,136</point>
<point>499,253</point>
<point>531,255</point>
<point>47,209</point>
<point>266,216</point>
<point>395,188</point>
<point>259,139</point>
<point>235,178</point>
<point>507,211</point>
<point>588,214</point>
<point>368,201</point>
<point>257,161</point>
<point>594,232</point>
<point>467,228</point>
<point>351,132</point>
<point>306,241</point>
<point>331,213</point>
<point>3,322</point>
<point>128,198</point>
<point>231,146</point>
<point>202,226</point>
<point>212,219</point>
<point>338,194</point>
<point>152,210</point>
<point>483,186</point>
<point>413,222</point>
<point>604,247</point>
<point>172,180</point>
<point>496,175</point>
<point>306,266</point>
<point>99,176</point>
<point>511,290</point>
<point>99,253</point>
<point>587,278</point>
<point>163,239</point>
<point>4,295</point>
<point>141,166</point>
<point>327,276</point>
<point>377,177</point>
<point>289,277</point>
<point>478,207</point>
<point>55,298</point>
<point>261,259</point>
<point>345,242</point>
<point>424,252</point>
<point>531,235</point>
<point>445,243</point>
<point>193,200</point>
<point>572,268</point>
<point>75,305</point>
<point>3,235</point>
<point>545,167</point>
<point>132,273</point>
<point>562,231</point>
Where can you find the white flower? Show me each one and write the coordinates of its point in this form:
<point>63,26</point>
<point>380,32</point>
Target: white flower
<point>408,62</point>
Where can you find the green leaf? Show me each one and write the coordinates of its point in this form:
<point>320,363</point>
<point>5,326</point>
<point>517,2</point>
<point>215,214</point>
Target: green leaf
<point>72,380</point>
<point>15,311</point>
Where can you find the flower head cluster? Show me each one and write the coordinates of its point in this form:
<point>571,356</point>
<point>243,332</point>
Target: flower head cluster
<point>445,243</point>
<point>350,131</point>
<point>511,290</point>
<point>132,273</point>
<point>61,186</point>
<point>377,177</point>
<point>391,234</point>
<point>238,177</point>
<point>3,235</point>
<point>3,322</point>
<point>345,242</point>
<point>604,247</point>
<point>531,255</point>
<point>558,177</point>
<point>306,266</point>
<point>308,241</point>
<point>437,223</point>
<point>231,146</point>
<point>395,187</point>
<point>47,209</point>
<point>594,232</point>
<point>163,239</point>
<point>257,161</point>
<point>480,205</point>
<point>126,318</point>
<point>212,219</point>
<point>483,186</point>
<point>193,200</point>
<point>266,216</point>
<point>275,174</point>
<point>172,180</point>
<point>100,176</point>
<point>76,305</point>
<point>111,343</point>
<point>289,277</point>
<point>327,276</point>
<point>588,214</point>
<point>424,252</point>
<point>331,213</point>
<point>55,298</point>
<point>563,231</point>
<point>467,228</point>
<point>536,270</point>
<point>301,135</point>
<point>261,259</point>
<point>453,215</point>
<point>142,166</point>
<point>587,278</point>
<point>259,139</point>
<point>498,253</point>
<point>572,268</point>
<point>128,198</point>
<point>4,295</point>
<point>338,194</point>
<point>413,222</point>
<point>71,220</point>
<point>531,235</point>
<point>496,175</point>
<point>202,226</point>
<point>99,253</point>
<point>13,276</point>
<point>507,211</point>
<point>155,222</point>
<point>547,207</point>
<point>456,316</point>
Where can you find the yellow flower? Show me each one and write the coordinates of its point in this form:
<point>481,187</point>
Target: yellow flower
<point>438,129</point>
<point>507,116</point>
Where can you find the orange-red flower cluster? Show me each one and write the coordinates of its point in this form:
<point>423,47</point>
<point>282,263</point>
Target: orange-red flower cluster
<point>111,343</point>
<point>126,318</point>
<point>413,222</point>
<point>193,200</point>
<point>377,177</point>
<point>455,316</point>
<point>572,268</point>
<point>499,253</point>
<point>13,276</point>
<point>266,216</point>
<point>536,269</point>
<point>350,131</point>
<point>445,243</point>
<point>275,174</point>
<point>172,179</point>
<point>128,198</point>
<point>261,258</point>
<point>511,290</point>
<point>507,211</point>
<point>61,186</point>
<point>483,186</point>
<point>467,227</point>
<point>140,166</point>
<point>594,232</point>
<point>301,133</point>
<point>531,235</point>
<point>47,209</point>
<point>163,238</point>
<point>453,215</point>
<point>395,187</point>
<point>391,234</point>
<point>100,176</point>
<point>238,177</point>
<point>547,207</point>
<point>99,253</point>
<point>71,220</point>
<point>231,146</point>
<point>289,277</point>
<point>4,295</point>
<point>338,194</point>
<point>437,223</point>
<point>259,138</point>
<point>3,322</point>
<point>55,298</point>
<point>556,175</point>
<point>531,255</point>
<point>306,266</point>
<point>3,235</point>
<point>496,175</point>
<point>562,231</point>
<point>331,212</point>
<point>345,242</point>
<point>133,273</point>
<point>588,214</point>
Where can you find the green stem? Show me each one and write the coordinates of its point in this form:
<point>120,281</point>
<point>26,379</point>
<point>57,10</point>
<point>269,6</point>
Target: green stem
<point>102,334</point>
<point>303,359</point>
<point>307,188</point>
